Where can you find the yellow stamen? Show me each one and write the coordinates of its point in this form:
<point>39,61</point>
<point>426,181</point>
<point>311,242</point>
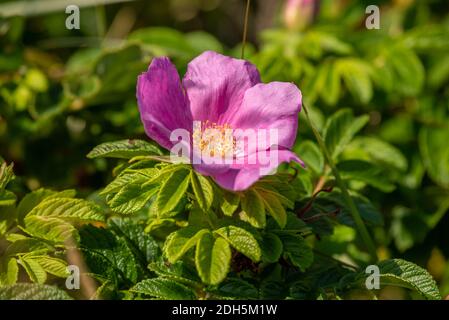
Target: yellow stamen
<point>214,139</point>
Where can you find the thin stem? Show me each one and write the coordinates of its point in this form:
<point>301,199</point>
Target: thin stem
<point>363,231</point>
<point>245,27</point>
<point>319,185</point>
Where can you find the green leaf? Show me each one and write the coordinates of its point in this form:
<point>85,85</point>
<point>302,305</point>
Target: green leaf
<point>271,247</point>
<point>162,174</point>
<point>253,210</point>
<point>125,149</point>
<point>311,155</point>
<point>399,129</point>
<point>297,250</point>
<point>75,210</point>
<point>120,253</point>
<point>51,218</point>
<point>69,193</point>
<point>199,218</point>
<point>106,257</point>
<point>427,38</point>
<point>50,228</point>
<point>273,290</point>
<point>408,70</point>
<point>407,274</point>
<point>331,87</point>
<point>108,68</point>
<point>439,72</point>
<point>162,41</point>
<point>203,190</point>
<point>142,244</point>
<point>6,174</point>
<point>276,186</point>
<point>435,153</point>
<point>381,152</point>
<point>13,237</point>
<point>166,225</point>
<point>164,289</point>
<point>34,270</point>
<point>293,225</point>
<point>212,259</point>
<point>172,191</point>
<point>178,271</point>
<point>25,245</point>
<point>132,197</point>
<point>30,291</point>
<point>340,128</point>
<point>202,41</point>
<point>331,43</point>
<point>7,198</point>
<point>9,272</point>
<point>333,201</point>
<point>31,200</point>
<point>107,291</point>
<point>127,177</point>
<point>241,240</point>
<point>230,202</point>
<point>178,243</point>
<point>237,289</point>
<point>383,74</point>
<point>54,266</point>
<point>274,207</point>
<point>366,172</point>
<point>315,84</point>
<point>356,75</point>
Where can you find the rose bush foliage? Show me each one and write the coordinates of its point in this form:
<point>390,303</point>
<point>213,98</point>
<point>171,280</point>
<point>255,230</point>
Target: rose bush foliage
<point>372,138</point>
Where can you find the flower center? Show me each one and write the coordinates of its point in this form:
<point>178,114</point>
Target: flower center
<point>214,140</point>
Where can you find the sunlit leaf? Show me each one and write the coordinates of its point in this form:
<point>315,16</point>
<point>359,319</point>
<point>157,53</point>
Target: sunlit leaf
<point>125,149</point>
<point>212,258</point>
<point>241,240</point>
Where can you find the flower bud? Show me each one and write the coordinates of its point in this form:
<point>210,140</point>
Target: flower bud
<point>299,13</point>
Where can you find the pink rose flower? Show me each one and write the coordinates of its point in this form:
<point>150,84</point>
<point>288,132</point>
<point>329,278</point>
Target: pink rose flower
<point>221,93</point>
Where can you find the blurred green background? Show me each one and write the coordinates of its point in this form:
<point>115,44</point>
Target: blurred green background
<point>63,91</point>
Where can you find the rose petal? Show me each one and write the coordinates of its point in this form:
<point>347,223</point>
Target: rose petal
<point>162,103</point>
<point>215,83</point>
<point>269,106</point>
<point>242,178</point>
